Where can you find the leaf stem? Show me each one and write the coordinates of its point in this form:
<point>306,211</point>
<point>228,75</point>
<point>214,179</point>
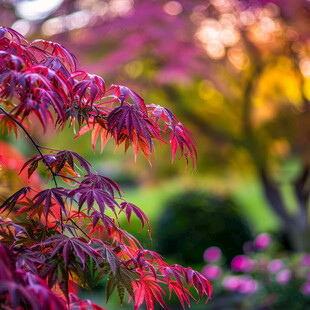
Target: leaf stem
<point>66,177</point>
<point>47,148</point>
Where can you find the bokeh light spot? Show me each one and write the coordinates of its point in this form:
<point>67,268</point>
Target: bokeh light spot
<point>134,69</point>
<point>305,67</point>
<point>36,9</point>
<point>22,26</point>
<point>173,8</point>
<point>215,50</point>
<point>120,7</point>
<point>238,58</point>
<point>53,26</point>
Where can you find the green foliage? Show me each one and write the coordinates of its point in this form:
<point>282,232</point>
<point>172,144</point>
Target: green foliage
<point>287,297</point>
<point>195,220</point>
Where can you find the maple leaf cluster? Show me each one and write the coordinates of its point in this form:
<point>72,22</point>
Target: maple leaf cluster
<point>61,238</point>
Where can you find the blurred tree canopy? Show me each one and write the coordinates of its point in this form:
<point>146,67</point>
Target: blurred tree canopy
<point>238,70</point>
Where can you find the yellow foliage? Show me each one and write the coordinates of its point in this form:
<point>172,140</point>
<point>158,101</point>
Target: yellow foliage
<point>279,83</point>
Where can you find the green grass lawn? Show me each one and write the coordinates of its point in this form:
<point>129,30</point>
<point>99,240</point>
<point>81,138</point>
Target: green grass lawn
<point>253,205</point>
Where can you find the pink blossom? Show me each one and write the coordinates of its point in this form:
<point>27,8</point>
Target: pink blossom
<point>242,263</point>
<point>212,272</point>
<point>262,241</point>
<point>305,289</point>
<point>275,265</point>
<point>247,285</point>
<point>231,283</point>
<point>212,254</point>
<point>284,276</point>
<point>305,260</point>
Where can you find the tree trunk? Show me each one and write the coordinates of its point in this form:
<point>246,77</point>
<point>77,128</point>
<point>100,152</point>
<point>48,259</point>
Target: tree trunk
<point>299,238</point>
<point>296,228</point>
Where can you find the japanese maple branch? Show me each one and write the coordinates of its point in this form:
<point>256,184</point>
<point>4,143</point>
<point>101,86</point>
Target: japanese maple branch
<point>36,145</point>
<point>81,230</point>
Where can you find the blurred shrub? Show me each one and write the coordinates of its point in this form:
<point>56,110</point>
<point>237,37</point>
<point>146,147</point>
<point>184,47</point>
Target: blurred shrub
<point>195,220</point>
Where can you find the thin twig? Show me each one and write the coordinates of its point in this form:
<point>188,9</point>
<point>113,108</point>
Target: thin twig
<point>33,142</point>
<point>81,230</point>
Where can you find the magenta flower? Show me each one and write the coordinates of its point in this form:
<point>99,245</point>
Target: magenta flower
<point>275,265</point>
<point>262,241</point>
<point>242,263</point>
<point>247,285</point>
<point>212,272</point>
<point>231,283</point>
<point>305,289</point>
<point>305,260</point>
<point>284,276</point>
<point>212,254</point>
